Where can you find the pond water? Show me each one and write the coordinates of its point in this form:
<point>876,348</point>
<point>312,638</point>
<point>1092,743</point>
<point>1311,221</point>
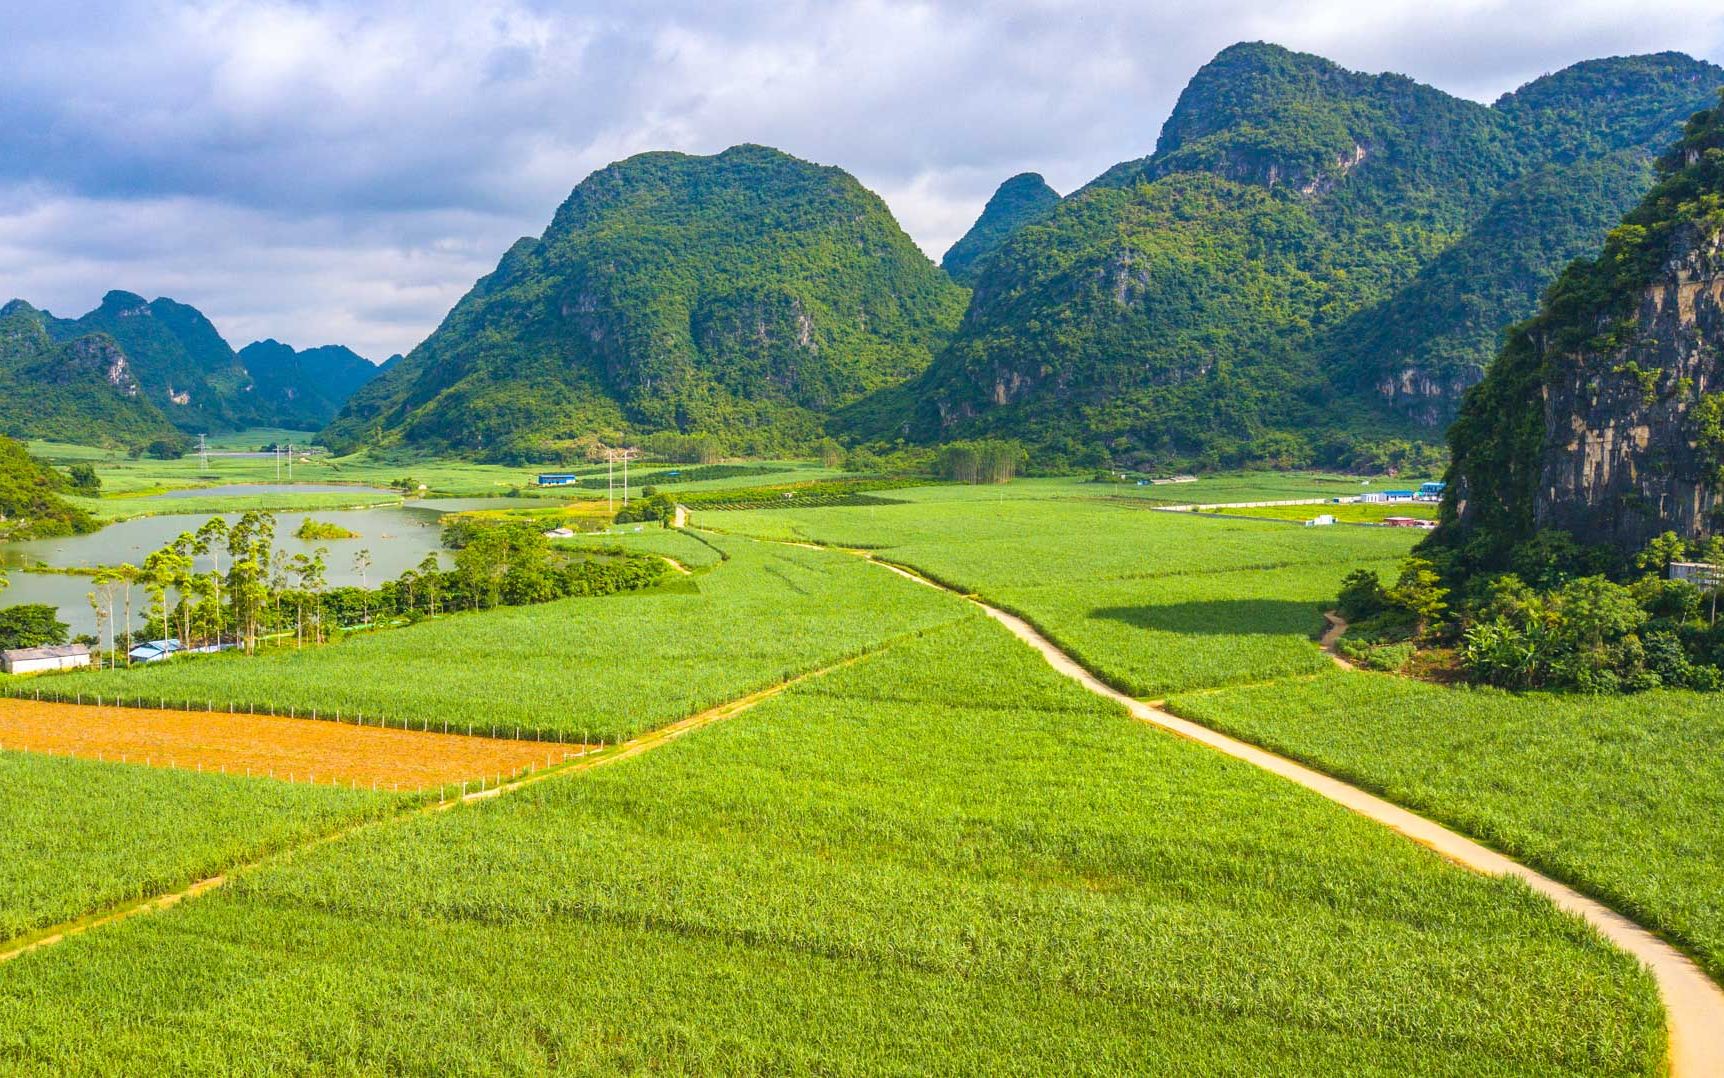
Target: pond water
<point>398,537</point>
<point>272,488</point>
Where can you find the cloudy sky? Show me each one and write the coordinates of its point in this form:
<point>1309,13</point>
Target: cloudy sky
<point>342,172</point>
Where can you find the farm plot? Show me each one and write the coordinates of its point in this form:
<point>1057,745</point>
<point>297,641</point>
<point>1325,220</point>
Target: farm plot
<point>1155,602</point>
<point>279,747</point>
<point>1621,796</point>
<point>78,836</point>
<point>942,859</point>
<point>577,669</point>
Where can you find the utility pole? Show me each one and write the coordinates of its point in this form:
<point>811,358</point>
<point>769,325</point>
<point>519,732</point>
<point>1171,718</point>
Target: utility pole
<point>204,452</point>
<point>290,462</point>
<point>611,481</point>
<point>625,478</point>
<point>275,452</point>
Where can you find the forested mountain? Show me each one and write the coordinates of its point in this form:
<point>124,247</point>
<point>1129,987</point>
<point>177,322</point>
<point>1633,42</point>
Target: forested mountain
<point>1194,305</point>
<point>182,363</point>
<point>30,502</point>
<point>1019,201</point>
<point>134,372</point>
<point>745,294</point>
<point>1603,417</point>
<point>81,390</point>
<point>304,389</point>
<point>1421,348</point>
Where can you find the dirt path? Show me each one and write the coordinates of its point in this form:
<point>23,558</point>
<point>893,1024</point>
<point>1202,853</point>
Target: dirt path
<point>1331,639</point>
<point>1693,1003</point>
<point>677,565</point>
<point>652,739</point>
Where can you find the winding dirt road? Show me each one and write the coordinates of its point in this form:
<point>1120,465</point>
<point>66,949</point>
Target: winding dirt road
<point>1692,1001</point>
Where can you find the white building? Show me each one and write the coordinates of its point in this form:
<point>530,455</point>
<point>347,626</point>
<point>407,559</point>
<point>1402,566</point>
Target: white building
<point>37,660</point>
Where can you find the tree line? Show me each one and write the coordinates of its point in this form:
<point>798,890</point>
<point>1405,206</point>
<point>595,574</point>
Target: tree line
<point>227,585</point>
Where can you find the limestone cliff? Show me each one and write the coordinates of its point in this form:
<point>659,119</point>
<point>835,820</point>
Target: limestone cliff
<point>1604,415</point>
<point>1624,458</point>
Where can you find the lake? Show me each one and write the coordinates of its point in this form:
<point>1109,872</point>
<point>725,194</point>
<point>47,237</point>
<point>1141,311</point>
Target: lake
<point>398,536</point>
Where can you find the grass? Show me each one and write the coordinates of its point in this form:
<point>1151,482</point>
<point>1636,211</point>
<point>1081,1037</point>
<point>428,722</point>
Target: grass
<point>942,859</point>
<point>442,476</point>
<point>1349,513</point>
<point>1153,602</point>
<point>685,548</point>
<point>1621,796</point>
<point>606,667</point>
<point>80,836</point>
<point>110,510</point>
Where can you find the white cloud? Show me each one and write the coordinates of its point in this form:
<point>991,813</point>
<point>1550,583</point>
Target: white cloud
<point>330,171</point>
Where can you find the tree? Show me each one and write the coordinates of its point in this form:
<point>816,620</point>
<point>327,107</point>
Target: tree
<point>831,453</point>
<point>1420,592</point>
<point>208,543</point>
<point>250,544</point>
<point>157,577</point>
<point>431,573</point>
<point>1660,552</point>
<point>30,625</point>
<point>108,583</point>
<point>128,576</point>
<point>361,563</point>
<point>84,480</point>
<point>1361,595</point>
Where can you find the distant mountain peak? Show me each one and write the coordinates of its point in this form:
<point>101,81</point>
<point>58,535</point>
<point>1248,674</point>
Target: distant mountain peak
<point>1020,200</point>
<point>119,300</point>
<point>745,294</point>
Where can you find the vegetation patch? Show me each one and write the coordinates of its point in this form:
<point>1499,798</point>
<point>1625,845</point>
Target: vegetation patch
<point>82,835</point>
<point>983,868</point>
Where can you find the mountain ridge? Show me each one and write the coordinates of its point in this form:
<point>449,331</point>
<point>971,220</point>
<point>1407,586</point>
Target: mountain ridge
<point>743,294</point>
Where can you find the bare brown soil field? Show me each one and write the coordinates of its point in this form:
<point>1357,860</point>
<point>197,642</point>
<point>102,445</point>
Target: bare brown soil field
<point>299,750</point>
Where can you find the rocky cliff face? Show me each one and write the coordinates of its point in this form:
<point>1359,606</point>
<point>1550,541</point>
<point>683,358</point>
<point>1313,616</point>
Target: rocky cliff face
<point>1603,417</point>
<point>1624,457</point>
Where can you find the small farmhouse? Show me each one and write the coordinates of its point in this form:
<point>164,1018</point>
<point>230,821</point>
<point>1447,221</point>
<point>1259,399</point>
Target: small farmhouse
<point>38,660</point>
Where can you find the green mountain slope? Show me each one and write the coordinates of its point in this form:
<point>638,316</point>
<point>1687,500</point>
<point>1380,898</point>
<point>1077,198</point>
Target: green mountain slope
<point>81,390</point>
<point>1603,417</point>
<point>745,294</point>
<point>1189,306</point>
<point>304,389</point>
<point>1023,199</point>
<point>183,364</point>
<point>30,502</point>
<point>1597,126</point>
<point>1421,348</point>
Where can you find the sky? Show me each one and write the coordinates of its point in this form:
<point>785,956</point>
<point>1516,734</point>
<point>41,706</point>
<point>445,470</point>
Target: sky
<point>341,173</point>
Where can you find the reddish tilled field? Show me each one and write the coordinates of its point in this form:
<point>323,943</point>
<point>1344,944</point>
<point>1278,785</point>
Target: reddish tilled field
<point>300,750</point>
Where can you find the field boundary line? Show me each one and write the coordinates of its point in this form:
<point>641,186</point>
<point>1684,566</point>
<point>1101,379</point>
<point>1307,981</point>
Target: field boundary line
<point>657,737</point>
<point>1693,1002</point>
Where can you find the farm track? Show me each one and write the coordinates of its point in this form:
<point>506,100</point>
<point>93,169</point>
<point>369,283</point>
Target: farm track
<point>1693,1002</point>
<point>1332,637</point>
<point>652,739</point>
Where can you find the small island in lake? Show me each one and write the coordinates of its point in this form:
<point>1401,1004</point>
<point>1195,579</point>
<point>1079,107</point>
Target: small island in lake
<point>317,530</point>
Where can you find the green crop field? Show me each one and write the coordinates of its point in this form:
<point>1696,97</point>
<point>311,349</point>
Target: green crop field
<point>684,548</point>
<point>1154,602</point>
<point>942,859</point>
<point>1623,796</point>
<point>1350,513</point>
<point>605,667</point>
<point>78,836</point>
